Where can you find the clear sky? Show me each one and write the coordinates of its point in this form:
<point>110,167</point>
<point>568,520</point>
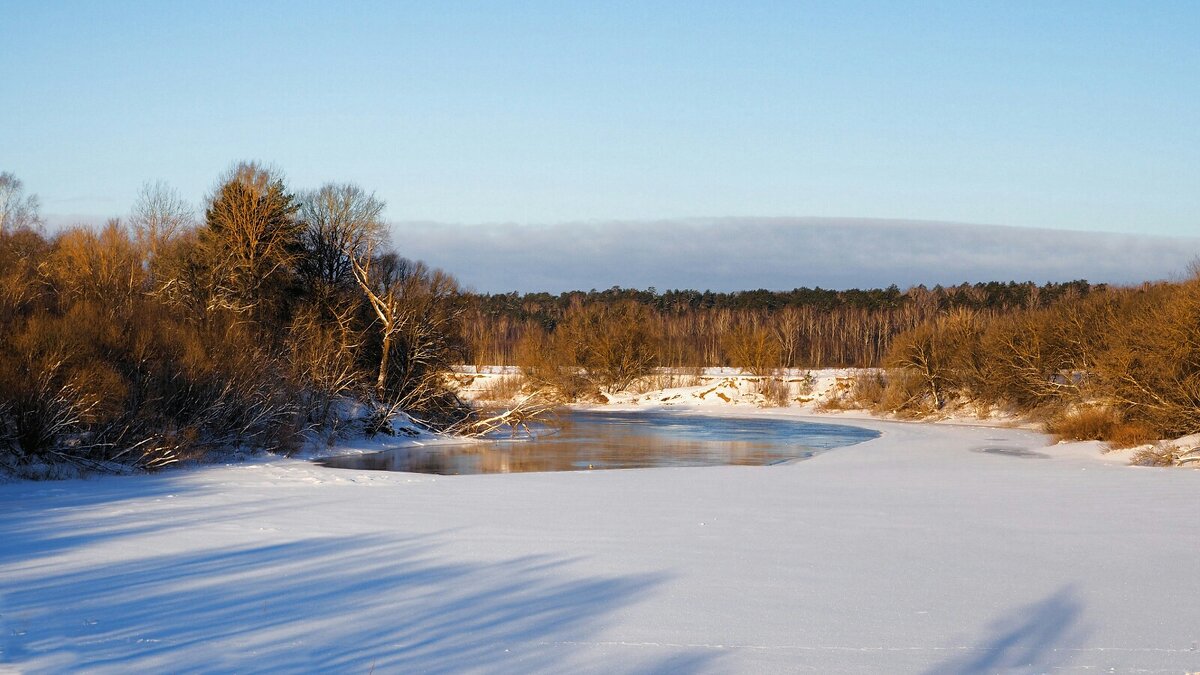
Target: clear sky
<point>1077,115</point>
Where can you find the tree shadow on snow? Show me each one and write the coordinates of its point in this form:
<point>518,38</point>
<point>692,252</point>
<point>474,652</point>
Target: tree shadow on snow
<point>41,519</point>
<point>1034,638</point>
<point>336,604</point>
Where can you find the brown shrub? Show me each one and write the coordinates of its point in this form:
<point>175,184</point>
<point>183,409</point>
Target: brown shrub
<point>613,344</point>
<point>1131,434</point>
<point>547,364</point>
<point>775,391</point>
<point>1084,424</point>
<point>501,388</point>
<point>833,404</point>
<point>756,350</point>
<point>869,389</point>
<point>1151,364</point>
<point>904,392</point>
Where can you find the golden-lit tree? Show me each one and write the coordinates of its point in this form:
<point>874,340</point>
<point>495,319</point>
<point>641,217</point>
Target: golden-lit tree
<point>251,236</point>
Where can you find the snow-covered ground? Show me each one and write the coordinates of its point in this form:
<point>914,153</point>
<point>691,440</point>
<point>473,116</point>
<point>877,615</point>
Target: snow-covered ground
<point>934,548</point>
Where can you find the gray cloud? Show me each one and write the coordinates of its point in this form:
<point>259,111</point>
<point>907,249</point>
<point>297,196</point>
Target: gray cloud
<point>782,253</point>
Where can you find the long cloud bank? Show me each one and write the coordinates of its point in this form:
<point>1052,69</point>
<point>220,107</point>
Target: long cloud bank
<point>782,253</point>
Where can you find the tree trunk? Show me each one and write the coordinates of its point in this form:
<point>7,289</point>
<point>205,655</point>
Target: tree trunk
<point>383,363</point>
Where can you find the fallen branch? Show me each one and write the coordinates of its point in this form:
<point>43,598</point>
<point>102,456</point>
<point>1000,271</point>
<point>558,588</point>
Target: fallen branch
<point>529,409</point>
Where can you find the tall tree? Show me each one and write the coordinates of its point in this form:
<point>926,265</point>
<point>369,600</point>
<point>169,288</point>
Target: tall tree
<point>17,209</point>
<point>416,317</point>
<point>158,216</point>
<point>251,235</point>
<point>340,223</point>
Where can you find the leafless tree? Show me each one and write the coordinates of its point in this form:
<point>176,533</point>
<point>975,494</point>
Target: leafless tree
<point>530,408</point>
<point>321,353</point>
<point>756,349</point>
<point>614,345</point>
<point>415,314</point>
<point>17,209</point>
<point>159,215</point>
<point>940,353</point>
<point>340,224</point>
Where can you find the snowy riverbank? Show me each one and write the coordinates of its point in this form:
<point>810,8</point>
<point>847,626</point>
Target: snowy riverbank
<point>933,548</point>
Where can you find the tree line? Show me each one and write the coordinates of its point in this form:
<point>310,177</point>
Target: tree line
<point>1121,366</point>
<point>273,318</point>
<point>801,328</point>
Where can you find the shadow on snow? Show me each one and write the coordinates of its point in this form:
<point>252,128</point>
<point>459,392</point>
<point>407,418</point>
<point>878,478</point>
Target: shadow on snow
<point>1035,638</point>
<point>333,604</point>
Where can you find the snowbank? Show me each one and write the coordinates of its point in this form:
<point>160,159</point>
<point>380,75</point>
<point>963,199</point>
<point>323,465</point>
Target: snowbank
<point>933,548</point>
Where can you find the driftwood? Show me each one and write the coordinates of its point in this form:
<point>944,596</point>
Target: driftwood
<point>529,409</point>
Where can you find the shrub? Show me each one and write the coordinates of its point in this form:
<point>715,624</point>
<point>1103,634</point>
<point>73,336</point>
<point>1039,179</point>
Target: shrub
<point>501,388</point>
<point>869,389</point>
<point>756,350</point>
<point>547,364</point>
<point>1093,423</point>
<point>775,391</point>
<point>806,384</point>
<point>904,393</point>
<point>1131,434</point>
<point>614,344</point>
<point>1167,454</point>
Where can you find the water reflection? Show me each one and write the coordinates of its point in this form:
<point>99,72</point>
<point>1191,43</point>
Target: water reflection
<point>616,440</point>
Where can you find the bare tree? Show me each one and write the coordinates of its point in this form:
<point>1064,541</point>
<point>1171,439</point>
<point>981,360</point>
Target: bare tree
<point>340,224</point>
<point>159,215</point>
<point>615,345</point>
<point>940,353</point>
<point>416,319</point>
<point>754,349</point>
<point>321,353</point>
<point>17,209</point>
<point>1151,367</point>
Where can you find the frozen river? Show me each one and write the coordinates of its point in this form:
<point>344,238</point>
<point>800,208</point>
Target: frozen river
<point>586,440</point>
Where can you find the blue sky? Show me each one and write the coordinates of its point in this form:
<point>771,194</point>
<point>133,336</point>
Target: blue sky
<point>1062,115</point>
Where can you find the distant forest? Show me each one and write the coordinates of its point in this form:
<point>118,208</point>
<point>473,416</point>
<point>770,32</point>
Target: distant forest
<point>813,327</point>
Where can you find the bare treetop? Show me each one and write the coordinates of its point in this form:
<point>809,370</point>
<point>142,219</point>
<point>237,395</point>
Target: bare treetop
<point>17,209</point>
<point>341,222</point>
<point>159,214</point>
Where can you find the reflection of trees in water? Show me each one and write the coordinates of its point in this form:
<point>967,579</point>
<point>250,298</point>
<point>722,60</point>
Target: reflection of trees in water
<point>607,441</point>
<point>568,456</point>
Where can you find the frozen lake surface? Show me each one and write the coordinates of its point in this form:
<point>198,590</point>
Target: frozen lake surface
<point>587,440</point>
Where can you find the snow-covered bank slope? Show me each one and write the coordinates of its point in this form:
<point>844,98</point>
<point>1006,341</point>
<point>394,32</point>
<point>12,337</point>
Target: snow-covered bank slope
<point>913,552</point>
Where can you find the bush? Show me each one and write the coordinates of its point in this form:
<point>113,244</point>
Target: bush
<point>775,391</point>
<point>613,344</point>
<point>1085,424</point>
<point>806,384</point>
<point>501,388</point>
<point>869,389</point>
<point>756,350</point>
<point>1131,434</point>
<point>123,353</point>
<point>1167,454</point>
<point>904,393</point>
<point>547,364</point>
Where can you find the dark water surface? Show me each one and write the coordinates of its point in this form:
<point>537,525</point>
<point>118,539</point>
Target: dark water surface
<point>588,440</point>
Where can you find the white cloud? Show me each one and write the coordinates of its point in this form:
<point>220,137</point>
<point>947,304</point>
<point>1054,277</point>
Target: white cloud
<point>782,253</point>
